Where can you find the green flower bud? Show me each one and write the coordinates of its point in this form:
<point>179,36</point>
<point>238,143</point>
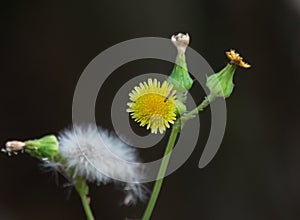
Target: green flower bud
<point>45,147</point>
<point>221,83</point>
<point>180,77</point>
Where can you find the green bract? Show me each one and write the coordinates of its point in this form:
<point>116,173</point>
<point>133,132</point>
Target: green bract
<point>45,147</point>
<point>180,107</point>
<point>221,83</point>
<point>180,77</point>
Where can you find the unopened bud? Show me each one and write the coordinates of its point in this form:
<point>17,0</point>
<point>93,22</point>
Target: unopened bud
<point>45,147</point>
<point>180,77</point>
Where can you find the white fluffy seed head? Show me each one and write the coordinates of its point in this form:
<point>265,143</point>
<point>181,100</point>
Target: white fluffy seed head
<point>97,156</point>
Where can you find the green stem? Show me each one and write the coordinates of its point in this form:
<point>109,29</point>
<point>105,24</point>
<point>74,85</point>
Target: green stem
<point>209,99</point>
<point>161,172</point>
<point>83,191</point>
<point>167,154</point>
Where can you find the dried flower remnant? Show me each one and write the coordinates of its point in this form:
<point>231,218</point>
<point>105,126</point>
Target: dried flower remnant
<point>236,59</point>
<point>14,147</point>
<point>181,41</point>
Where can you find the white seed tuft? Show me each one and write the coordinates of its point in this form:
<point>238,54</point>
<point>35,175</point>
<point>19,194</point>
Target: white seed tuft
<point>92,153</point>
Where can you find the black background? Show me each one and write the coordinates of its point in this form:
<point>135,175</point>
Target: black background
<point>255,175</point>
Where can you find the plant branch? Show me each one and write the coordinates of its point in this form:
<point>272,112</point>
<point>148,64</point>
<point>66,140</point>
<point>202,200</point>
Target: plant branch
<point>83,189</point>
<point>161,172</point>
<point>209,99</point>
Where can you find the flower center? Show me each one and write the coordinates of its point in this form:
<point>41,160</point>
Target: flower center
<point>154,104</point>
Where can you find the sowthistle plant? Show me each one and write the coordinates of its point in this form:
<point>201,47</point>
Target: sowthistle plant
<point>77,153</point>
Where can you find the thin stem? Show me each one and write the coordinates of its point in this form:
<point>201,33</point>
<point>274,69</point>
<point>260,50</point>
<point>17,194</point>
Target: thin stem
<point>167,154</point>
<point>209,99</point>
<point>83,190</point>
<point>161,172</point>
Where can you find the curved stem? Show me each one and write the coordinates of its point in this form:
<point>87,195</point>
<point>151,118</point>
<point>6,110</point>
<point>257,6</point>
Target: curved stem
<point>83,190</point>
<point>209,99</point>
<point>161,172</point>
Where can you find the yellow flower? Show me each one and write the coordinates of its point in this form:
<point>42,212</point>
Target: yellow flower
<point>237,59</point>
<point>153,105</point>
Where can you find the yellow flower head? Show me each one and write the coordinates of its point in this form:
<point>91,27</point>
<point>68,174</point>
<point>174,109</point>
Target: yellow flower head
<point>153,105</point>
<point>237,59</point>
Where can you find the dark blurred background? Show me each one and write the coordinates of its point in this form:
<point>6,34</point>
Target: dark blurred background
<point>255,175</point>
